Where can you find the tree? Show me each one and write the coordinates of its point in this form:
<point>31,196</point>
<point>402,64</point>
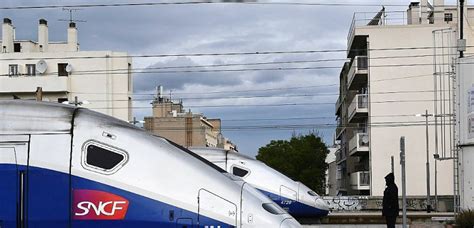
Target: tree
<point>302,158</point>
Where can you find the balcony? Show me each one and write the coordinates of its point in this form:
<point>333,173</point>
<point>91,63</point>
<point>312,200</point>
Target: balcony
<point>340,156</point>
<point>341,186</point>
<point>338,106</point>
<point>339,129</point>
<point>358,108</point>
<point>357,75</point>
<point>28,84</point>
<point>360,180</point>
<point>366,19</point>
<point>359,144</point>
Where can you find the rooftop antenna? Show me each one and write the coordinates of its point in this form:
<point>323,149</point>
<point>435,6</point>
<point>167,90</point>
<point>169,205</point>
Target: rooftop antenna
<point>71,15</point>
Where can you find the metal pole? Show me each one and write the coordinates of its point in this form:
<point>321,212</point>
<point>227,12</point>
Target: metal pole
<point>436,185</point>
<point>461,24</point>
<point>393,165</point>
<point>404,193</point>
<point>428,197</point>
<point>76,102</point>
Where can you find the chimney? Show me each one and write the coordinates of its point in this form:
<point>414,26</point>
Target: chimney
<point>424,12</point>
<point>43,36</point>
<point>438,6</point>
<point>7,36</point>
<point>72,37</point>
<point>413,13</point>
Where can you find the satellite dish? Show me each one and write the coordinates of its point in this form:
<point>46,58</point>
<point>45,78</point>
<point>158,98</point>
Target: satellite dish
<point>69,68</point>
<point>365,139</point>
<point>41,66</point>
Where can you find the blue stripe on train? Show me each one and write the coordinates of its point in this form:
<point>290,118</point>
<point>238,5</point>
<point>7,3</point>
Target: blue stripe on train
<point>296,208</point>
<point>47,206</point>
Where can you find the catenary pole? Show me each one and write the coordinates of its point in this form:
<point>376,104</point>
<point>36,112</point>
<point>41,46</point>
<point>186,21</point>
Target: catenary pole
<point>404,195</point>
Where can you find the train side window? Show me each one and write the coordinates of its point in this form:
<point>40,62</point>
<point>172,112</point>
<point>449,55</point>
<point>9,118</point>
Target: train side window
<point>239,171</point>
<point>103,158</point>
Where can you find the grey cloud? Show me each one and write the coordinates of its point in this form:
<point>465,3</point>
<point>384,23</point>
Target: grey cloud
<point>146,82</point>
<point>212,28</point>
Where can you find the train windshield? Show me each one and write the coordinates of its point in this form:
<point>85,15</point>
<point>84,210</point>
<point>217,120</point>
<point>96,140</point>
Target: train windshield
<point>273,208</point>
<point>312,193</point>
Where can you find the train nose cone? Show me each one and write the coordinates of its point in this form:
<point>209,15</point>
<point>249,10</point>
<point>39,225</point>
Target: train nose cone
<point>321,204</point>
<point>290,223</point>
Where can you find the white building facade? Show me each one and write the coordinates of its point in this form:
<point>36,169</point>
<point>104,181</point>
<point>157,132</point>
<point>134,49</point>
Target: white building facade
<point>103,78</point>
<point>388,80</point>
<point>465,125</point>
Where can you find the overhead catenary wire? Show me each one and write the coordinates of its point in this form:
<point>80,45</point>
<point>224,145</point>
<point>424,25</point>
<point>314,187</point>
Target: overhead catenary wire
<point>138,4</point>
<point>96,5</point>
<point>257,96</point>
<point>138,70</point>
<point>307,126</point>
<point>265,105</point>
<point>228,53</point>
<point>380,124</point>
<point>243,69</point>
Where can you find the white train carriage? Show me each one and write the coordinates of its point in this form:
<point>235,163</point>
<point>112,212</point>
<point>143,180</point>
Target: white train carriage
<point>295,197</point>
<point>62,166</point>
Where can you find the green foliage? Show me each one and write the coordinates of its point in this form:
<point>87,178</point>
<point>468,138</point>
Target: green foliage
<point>465,219</point>
<point>302,158</point>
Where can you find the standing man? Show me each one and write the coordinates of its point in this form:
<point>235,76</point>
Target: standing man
<point>390,201</point>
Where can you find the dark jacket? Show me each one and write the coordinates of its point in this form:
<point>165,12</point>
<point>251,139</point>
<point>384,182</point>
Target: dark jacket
<point>390,197</point>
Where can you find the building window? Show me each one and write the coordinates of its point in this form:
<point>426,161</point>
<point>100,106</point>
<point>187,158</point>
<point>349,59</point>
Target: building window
<point>30,69</point>
<point>448,17</point>
<point>17,47</point>
<point>13,70</point>
<point>62,100</point>
<point>62,69</point>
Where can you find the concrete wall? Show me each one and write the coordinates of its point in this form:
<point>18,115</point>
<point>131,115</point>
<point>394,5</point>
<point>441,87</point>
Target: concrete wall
<point>466,127</point>
<point>384,140</point>
<point>103,80</point>
<point>374,203</point>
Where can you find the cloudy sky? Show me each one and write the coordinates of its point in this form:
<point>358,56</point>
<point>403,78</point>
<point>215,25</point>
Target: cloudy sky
<point>255,106</point>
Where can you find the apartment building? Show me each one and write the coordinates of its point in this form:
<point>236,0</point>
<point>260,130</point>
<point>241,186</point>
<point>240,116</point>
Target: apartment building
<point>63,72</point>
<point>185,128</point>
<point>331,184</point>
<point>387,82</point>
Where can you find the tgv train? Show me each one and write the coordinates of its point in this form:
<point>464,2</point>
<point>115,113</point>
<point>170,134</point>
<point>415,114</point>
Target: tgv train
<point>63,166</point>
<point>295,197</point>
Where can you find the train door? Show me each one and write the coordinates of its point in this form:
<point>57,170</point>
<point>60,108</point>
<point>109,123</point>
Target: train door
<point>184,223</point>
<point>215,211</point>
<point>48,181</point>
<point>13,160</point>
<point>287,194</point>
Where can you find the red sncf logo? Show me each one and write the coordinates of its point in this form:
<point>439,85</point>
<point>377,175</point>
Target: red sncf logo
<point>98,205</point>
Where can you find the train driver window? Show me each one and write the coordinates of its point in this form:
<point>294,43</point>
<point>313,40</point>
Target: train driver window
<point>239,171</point>
<point>103,158</point>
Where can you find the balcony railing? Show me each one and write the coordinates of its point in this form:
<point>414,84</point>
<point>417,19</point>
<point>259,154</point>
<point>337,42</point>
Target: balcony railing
<point>341,184</point>
<point>358,72</point>
<point>359,106</point>
<point>360,180</point>
<point>380,18</point>
<point>338,105</point>
<point>340,128</point>
<point>359,143</point>
<point>28,84</point>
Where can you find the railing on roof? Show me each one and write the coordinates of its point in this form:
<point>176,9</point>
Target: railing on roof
<point>380,18</point>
